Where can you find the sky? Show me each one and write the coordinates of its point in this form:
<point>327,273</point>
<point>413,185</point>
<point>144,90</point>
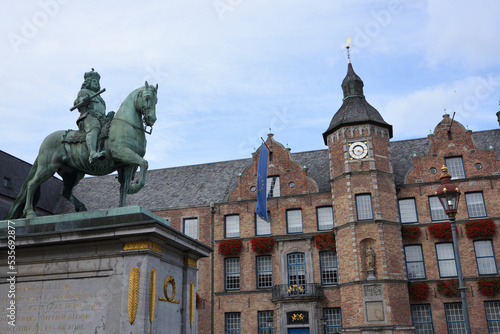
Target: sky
<point>230,71</point>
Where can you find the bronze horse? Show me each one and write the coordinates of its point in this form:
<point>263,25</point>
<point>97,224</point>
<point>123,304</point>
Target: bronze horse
<point>125,146</point>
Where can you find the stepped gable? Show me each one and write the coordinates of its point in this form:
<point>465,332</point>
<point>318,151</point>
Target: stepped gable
<point>472,149</point>
<point>293,176</point>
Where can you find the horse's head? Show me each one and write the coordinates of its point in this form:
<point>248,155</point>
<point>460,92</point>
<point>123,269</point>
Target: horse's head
<point>145,103</point>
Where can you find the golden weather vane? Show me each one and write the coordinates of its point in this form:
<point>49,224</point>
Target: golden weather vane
<point>348,47</point>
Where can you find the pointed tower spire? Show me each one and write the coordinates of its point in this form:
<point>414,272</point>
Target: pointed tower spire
<point>355,109</point>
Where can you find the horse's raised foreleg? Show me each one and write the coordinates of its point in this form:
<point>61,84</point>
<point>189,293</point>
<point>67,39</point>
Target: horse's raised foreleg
<point>70,180</point>
<point>129,157</point>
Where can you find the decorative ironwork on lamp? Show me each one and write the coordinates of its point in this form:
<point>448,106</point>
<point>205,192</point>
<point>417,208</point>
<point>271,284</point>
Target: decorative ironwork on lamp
<point>448,193</point>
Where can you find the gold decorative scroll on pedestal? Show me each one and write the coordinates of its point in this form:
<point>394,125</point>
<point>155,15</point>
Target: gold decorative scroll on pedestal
<point>133,294</point>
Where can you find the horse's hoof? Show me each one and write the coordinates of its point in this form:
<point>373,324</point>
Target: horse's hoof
<point>30,214</point>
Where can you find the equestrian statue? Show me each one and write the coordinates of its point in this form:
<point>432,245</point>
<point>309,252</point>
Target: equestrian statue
<point>102,144</point>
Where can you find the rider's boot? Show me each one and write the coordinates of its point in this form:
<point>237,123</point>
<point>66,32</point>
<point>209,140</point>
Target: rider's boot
<point>91,141</point>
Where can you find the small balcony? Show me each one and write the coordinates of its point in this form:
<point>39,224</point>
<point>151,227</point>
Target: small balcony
<point>303,292</point>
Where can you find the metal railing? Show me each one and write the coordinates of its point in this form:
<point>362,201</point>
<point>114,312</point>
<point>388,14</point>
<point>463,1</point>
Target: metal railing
<point>308,290</point>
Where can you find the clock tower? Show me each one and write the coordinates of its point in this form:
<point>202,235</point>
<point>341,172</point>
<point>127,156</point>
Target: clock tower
<point>372,276</point>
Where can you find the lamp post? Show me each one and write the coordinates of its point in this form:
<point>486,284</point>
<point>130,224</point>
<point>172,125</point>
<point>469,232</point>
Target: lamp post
<point>448,195</point>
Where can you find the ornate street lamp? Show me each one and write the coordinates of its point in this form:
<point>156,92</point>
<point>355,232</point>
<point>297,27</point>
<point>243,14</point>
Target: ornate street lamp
<point>448,195</point>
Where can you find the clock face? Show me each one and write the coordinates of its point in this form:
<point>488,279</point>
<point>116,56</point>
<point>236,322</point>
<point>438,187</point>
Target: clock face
<point>358,150</point>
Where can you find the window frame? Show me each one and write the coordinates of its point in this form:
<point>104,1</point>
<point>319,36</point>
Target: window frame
<point>237,317</point>
<point>457,171</point>
<point>226,226</point>
<point>415,324</point>
<point>184,220</point>
<point>288,223</point>
<point>235,274</point>
<point>320,208</point>
<point>265,330</point>
<point>492,321</point>
<point>257,219</point>
<point>297,264</point>
<point>446,259</point>
<point>414,207</point>
<point>469,209</point>
<point>263,272</point>
<point>435,204</point>
<point>360,206</point>
<point>459,312</point>
<point>410,262</point>
<point>336,327</point>
<point>324,267</point>
<point>485,257</point>
<point>271,190</point>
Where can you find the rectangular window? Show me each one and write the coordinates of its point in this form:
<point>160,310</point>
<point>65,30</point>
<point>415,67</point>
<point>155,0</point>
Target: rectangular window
<point>364,207</point>
<point>485,257</point>
<point>437,211</point>
<point>232,223</point>
<point>414,258</point>
<point>265,322</point>
<point>325,218</point>
<point>190,227</point>
<point>333,320</point>
<point>422,319</point>
<point>475,205</point>
<point>493,316</point>
<point>294,221</point>
<point>455,318</point>
<point>408,210</point>
<point>264,271</point>
<point>455,167</point>
<point>328,264</point>
<point>261,226</point>
<point>232,269</point>
<point>233,323</point>
<point>273,186</point>
<point>446,260</point>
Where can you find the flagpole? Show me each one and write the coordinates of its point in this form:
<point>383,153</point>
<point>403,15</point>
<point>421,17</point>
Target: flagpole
<point>268,149</point>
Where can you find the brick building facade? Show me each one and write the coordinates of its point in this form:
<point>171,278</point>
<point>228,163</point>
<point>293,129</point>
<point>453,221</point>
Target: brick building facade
<point>354,230</point>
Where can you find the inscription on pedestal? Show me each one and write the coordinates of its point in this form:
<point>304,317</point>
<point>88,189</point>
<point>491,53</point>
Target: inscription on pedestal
<point>55,307</point>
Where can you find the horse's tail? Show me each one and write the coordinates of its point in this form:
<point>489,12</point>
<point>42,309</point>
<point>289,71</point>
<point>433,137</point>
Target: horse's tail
<point>16,211</point>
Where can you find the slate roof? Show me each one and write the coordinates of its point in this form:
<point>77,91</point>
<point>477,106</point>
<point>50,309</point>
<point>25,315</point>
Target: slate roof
<point>195,185</point>
<point>198,185</point>
<point>15,171</point>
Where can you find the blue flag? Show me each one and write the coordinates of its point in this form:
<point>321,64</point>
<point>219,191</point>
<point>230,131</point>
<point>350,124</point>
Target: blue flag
<point>261,207</point>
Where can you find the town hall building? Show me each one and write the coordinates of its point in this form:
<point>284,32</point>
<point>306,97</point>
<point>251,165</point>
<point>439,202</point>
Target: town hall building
<point>356,241</point>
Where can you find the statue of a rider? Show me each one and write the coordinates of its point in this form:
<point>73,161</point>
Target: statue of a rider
<point>92,110</point>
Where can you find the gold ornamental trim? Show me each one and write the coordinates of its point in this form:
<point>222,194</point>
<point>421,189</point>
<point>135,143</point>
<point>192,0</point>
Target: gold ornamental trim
<point>190,262</point>
<point>168,280</point>
<point>152,297</point>
<point>133,294</point>
<point>144,244</point>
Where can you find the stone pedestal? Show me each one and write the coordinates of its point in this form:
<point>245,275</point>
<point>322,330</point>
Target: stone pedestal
<point>117,271</point>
